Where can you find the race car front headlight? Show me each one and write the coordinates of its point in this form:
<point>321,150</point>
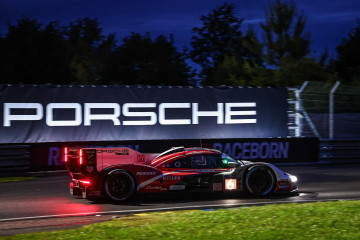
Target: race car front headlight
<point>293,178</point>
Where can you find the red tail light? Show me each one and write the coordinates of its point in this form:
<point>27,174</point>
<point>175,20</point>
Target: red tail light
<point>85,182</point>
<point>81,156</point>
<point>65,154</point>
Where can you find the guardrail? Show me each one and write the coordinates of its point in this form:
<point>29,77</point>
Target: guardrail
<point>14,159</point>
<point>340,151</point>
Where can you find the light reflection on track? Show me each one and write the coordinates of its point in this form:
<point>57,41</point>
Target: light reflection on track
<point>48,197</point>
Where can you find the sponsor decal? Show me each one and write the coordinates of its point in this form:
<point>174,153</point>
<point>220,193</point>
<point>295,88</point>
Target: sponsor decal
<point>146,173</point>
<point>141,158</point>
<point>283,184</point>
<point>217,187</point>
<point>205,170</point>
<point>230,184</point>
<point>177,187</point>
<point>255,150</point>
<point>116,151</point>
<point>156,188</point>
<point>171,178</point>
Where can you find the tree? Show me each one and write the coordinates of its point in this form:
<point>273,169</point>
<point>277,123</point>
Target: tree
<point>287,47</point>
<point>33,53</point>
<point>240,70</point>
<point>347,63</point>
<point>285,39</point>
<point>219,36</point>
<point>141,60</point>
<point>306,69</point>
<point>87,50</point>
<point>223,52</point>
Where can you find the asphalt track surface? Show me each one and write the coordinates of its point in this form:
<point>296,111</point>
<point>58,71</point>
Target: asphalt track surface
<point>45,203</point>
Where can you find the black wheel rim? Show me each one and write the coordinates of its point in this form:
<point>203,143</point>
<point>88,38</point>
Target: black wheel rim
<point>119,185</point>
<point>260,181</point>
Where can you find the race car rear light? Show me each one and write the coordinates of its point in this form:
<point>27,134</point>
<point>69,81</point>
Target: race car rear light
<point>85,182</point>
<point>65,154</point>
<point>81,156</point>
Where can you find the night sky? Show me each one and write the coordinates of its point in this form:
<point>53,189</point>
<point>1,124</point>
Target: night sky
<point>328,21</point>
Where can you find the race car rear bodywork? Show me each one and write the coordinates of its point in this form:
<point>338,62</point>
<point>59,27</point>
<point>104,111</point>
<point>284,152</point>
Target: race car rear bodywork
<point>119,173</point>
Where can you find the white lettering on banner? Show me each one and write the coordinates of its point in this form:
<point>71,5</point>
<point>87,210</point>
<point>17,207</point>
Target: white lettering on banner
<point>8,117</point>
<point>229,113</point>
<point>162,117</point>
<point>50,113</point>
<point>127,113</point>
<point>196,113</point>
<point>88,116</point>
<point>225,113</point>
<point>255,150</point>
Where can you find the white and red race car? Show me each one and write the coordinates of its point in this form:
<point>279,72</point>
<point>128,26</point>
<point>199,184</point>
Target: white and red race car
<point>120,173</point>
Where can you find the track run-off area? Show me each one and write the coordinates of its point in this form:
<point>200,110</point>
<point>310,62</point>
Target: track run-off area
<point>46,201</point>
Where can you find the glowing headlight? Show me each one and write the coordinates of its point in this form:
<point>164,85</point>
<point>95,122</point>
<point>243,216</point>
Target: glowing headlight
<point>293,178</point>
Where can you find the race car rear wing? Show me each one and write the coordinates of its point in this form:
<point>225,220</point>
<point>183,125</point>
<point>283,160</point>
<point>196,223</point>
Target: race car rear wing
<point>78,159</point>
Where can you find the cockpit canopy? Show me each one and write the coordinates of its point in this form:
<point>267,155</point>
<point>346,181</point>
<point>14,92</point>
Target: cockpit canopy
<point>194,158</point>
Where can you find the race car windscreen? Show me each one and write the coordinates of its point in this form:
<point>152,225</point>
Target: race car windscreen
<point>212,161</point>
<point>204,161</point>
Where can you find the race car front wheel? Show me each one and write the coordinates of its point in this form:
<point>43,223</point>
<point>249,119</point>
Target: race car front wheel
<point>119,185</point>
<point>260,181</point>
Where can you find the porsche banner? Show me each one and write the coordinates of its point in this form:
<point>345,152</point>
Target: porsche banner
<point>46,113</point>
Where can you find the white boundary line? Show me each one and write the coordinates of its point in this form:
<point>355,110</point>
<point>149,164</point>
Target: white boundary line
<point>170,209</point>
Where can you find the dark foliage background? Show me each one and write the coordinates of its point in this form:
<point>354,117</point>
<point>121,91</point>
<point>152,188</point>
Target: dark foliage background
<point>223,53</point>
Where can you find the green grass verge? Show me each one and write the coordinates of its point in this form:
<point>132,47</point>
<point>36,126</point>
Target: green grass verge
<point>323,220</point>
<point>14,179</point>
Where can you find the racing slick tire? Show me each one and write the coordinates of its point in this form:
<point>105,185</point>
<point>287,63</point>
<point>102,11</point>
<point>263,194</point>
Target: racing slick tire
<point>119,185</point>
<point>259,181</point>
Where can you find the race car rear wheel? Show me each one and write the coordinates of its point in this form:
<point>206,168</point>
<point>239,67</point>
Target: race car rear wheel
<point>260,181</point>
<point>119,185</point>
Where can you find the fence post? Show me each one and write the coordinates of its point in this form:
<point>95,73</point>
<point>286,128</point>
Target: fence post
<point>331,110</point>
<point>296,115</point>
<point>306,116</point>
<point>299,106</point>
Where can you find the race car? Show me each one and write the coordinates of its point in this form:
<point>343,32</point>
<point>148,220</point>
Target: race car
<point>120,173</point>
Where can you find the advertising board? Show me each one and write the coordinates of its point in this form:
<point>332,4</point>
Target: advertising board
<point>53,114</point>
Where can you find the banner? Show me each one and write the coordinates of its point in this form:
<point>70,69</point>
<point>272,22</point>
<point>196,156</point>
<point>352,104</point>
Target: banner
<point>50,156</point>
<point>45,113</point>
